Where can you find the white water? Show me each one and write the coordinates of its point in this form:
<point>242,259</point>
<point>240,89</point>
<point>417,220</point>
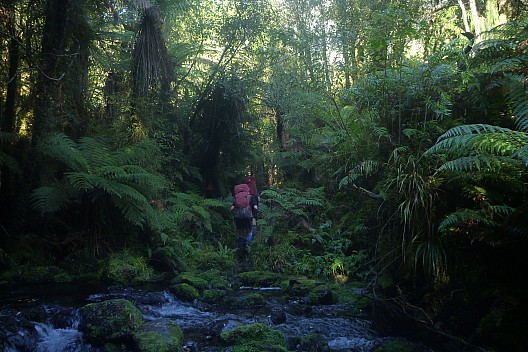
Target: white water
<point>60,334</point>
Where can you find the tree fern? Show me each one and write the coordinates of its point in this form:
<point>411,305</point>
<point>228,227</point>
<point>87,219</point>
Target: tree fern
<point>94,166</point>
<point>190,211</point>
<point>463,217</point>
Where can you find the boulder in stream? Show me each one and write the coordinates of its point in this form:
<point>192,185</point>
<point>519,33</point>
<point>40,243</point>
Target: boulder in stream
<point>110,321</point>
<point>255,337</point>
<point>160,335</point>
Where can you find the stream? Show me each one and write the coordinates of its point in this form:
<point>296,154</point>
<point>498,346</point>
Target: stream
<point>51,317</point>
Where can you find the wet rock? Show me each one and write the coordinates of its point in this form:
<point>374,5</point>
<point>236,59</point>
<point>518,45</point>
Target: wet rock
<point>17,334</point>
<point>350,344</point>
<point>322,295</point>
<point>255,337</point>
<point>62,318</point>
<point>228,326</point>
<point>259,278</point>
<point>313,343</point>
<point>185,292</point>
<point>37,314</point>
<point>110,321</point>
<point>160,335</point>
<point>278,316</point>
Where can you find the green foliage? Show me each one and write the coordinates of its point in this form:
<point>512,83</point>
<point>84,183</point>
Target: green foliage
<point>253,338</point>
<point>110,321</point>
<point>127,268</point>
<point>285,208</point>
<point>185,292</point>
<point>162,335</point>
<point>259,278</point>
<point>94,171</point>
<point>187,213</point>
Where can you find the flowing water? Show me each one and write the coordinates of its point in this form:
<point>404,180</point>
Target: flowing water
<point>53,319</point>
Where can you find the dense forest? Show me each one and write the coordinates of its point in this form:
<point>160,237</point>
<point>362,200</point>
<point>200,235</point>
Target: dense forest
<point>389,140</point>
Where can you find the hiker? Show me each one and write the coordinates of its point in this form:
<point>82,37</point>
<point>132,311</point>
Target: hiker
<point>251,181</point>
<point>241,209</point>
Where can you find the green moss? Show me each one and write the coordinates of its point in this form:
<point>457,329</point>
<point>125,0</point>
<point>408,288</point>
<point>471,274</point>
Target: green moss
<point>213,296</point>
<point>322,294</point>
<point>110,320</point>
<point>313,343</point>
<point>36,275</point>
<point>191,279</point>
<point>162,335</point>
<point>254,338</point>
<point>185,292</point>
<point>206,260</point>
<point>298,286</point>
<point>217,279</point>
<point>259,278</point>
<point>250,300</point>
<point>128,269</point>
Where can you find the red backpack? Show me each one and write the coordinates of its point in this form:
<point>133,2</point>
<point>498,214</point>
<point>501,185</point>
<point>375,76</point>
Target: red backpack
<point>242,198</point>
<point>251,181</point>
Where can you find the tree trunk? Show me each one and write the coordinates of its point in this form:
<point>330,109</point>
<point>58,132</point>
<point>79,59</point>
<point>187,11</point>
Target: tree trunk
<point>475,17</point>
<point>464,15</point>
<point>49,99</point>
<point>8,121</point>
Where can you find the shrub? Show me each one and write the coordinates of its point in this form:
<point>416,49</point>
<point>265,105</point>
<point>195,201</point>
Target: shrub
<point>128,269</point>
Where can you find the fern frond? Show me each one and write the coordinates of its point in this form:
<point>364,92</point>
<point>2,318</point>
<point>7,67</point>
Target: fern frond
<point>81,181</point>
<point>61,147</point>
<point>473,129</point>
<point>10,163</point>
<point>131,211</point>
<point>503,210</point>
<point>517,231</point>
<point>50,199</point>
<point>522,124</point>
<point>461,216</point>
<point>481,162</point>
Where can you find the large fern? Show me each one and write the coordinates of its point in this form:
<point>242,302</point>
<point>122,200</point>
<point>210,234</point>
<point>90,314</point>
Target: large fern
<point>488,155</point>
<point>94,167</point>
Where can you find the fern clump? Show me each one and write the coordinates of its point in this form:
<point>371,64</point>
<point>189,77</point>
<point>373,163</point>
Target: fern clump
<point>93,175</point>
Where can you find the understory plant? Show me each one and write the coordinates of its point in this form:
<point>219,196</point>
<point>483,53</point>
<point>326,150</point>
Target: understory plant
<point>93,177</point>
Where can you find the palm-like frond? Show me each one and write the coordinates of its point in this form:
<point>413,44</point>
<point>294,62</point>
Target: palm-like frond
<point>51,199</point>
<point>60,147</point>
<point>95,166</point>
<point>463,216</point>
<point>481,162</point>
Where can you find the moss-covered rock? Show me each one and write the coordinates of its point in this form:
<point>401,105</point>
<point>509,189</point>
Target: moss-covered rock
<point>248,300</point>
<point>259,278</point>
<point>191,279</point>
<point>298,286</point>
<point>313,343</point>
<point>216,279</point>
<point>213,296</point>
<point>322,295</point>
<point>206,260</point>
<point>110,321</point>
<point>129,269</point>
<point>254,337</point>
<point>185,292</point>
<point>161,335</point>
